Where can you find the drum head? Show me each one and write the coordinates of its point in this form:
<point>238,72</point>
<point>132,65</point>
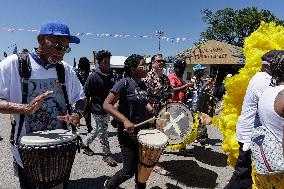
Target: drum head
<point>152,137</point>
<point>42,138</point>
<point>178,125</point>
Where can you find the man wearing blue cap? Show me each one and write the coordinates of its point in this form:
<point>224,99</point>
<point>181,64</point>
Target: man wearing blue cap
<point>199,84</point>
<point>26,82</point>
<point>198,74</point>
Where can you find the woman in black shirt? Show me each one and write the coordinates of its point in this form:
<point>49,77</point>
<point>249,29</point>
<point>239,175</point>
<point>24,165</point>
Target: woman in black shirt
<point>133,108</point>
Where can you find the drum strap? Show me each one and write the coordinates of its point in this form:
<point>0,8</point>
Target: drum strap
<point>61,79</point>
<point>25,74</point>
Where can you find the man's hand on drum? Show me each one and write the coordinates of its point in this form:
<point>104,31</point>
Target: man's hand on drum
<point>128,126</point>
<point>36,103</point>
<point>74,119</point>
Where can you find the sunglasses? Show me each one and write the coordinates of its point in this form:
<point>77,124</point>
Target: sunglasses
<point>59,46</point>
<point>143,67</point>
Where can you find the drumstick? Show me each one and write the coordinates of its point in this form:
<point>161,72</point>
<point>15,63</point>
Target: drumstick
<point>146,121</point>
<point>167,115</point>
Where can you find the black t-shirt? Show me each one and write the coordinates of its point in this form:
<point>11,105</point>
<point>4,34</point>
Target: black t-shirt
<point>97,88</point>
<point>132,104</point>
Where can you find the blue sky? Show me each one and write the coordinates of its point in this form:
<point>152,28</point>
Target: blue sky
<point>176,18</point>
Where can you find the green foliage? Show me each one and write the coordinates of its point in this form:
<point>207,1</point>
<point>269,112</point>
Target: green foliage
<point>232,26</point>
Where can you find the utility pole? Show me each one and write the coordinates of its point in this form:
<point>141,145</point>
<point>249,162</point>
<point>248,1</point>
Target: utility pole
<point>160,34</point>
<point>95,57</point>
<point>74,63</point>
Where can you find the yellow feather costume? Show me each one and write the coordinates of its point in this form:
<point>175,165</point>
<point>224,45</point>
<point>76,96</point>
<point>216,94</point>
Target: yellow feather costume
<point>266,37</point>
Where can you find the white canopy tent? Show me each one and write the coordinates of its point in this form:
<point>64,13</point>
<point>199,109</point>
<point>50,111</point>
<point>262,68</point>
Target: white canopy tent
<point>117,61</point>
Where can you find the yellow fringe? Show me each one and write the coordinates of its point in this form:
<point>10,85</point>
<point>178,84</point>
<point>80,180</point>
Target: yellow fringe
<point>189,137</point>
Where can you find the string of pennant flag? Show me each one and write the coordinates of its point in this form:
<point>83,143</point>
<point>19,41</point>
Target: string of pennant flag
<point>110,35</point>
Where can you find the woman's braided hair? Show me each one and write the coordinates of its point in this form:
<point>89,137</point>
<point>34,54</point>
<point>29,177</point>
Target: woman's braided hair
<point>131,62</point>
<point>277,68</point>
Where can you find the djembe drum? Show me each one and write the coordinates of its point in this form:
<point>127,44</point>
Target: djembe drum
<point>151,144</point>
<point>48,156</point>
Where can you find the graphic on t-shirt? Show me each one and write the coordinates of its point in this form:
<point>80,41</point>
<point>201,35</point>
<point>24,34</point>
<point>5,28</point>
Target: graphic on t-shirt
<point>140,94</point>
<point>46,117</point>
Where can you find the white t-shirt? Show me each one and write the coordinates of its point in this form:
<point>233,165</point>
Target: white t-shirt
<point>41,80</point>
<point>258,83</point>
<point>269,118</point>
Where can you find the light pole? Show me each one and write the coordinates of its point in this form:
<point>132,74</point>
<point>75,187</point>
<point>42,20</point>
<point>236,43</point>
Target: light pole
<point>159,34</point>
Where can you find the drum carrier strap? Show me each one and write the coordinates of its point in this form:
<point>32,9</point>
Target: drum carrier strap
<point>25,71</point>
<point>25,74</point>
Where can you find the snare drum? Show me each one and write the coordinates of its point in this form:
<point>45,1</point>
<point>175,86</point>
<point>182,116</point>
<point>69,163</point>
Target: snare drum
<point>180,123</point>
<point>200,101</point>
<point>48,156</point>
<point>151,144</point>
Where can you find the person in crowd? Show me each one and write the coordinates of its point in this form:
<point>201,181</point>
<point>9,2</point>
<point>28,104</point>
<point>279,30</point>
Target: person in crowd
<point>249,118</point>
<point>198,77</point>
<point>45,107</point>
<point>206,85</point>
<point>158,85</point>
<point>271,114</point>
<point>177,82</point>
<point>159,91</point>
<point>83,72</point>
<point>97,88</point>
<point>179,87</point>
<point>133,108</point>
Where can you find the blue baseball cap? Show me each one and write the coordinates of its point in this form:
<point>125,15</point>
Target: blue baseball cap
<point>198,67</point>
<point>59,29</point>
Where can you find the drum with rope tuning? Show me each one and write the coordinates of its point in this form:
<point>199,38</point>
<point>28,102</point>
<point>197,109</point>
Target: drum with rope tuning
<point>151,144</point>
<point>48,156</point>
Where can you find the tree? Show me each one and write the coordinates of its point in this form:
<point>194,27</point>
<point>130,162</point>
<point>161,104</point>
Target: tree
<point>232,26</point>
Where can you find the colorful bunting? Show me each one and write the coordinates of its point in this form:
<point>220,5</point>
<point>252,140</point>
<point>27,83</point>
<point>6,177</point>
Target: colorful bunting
<point>162,37</point>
